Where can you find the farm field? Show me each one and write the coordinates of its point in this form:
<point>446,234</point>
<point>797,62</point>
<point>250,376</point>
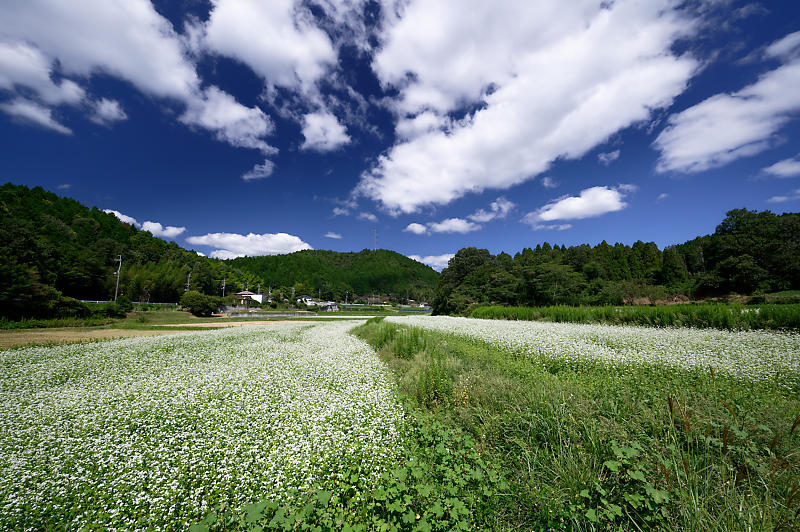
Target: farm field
<point>153,432</point>
<point>447,424</point>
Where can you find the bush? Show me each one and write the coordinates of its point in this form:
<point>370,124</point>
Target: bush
<point>199,304</point>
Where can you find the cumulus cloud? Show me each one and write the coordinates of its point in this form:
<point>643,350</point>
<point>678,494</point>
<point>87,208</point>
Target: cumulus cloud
<point>662,197</point>
<point>231,245</point>
<point>437,262</point>
<point>550,227</point>
<point>786,168</point>
<point>260,171</point>
<point>725,127</point>
<point>108,111</point>
<point>64,186</point>
<point>417,229</point>
<point>323,132</point>
<point>331,234</point>
<point>233,122</point>
<point>794,196</point>
<point>453,225</point>
<point>278,40</point>
<point>127,40</point>
<point>23,65</point>
<point>368,216</point>
<point>499,208</point>
<point>410,128</point>
<point>449,225</point>
<point>33,113</point>
<point>591,202</point>
<point>608,158</point>
<point>156,229</point>
<point>123,217</point>
<point>527,84</point>
<point>341,211</point>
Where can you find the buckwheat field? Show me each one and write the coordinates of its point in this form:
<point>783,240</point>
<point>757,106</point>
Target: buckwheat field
<point>151,432</point>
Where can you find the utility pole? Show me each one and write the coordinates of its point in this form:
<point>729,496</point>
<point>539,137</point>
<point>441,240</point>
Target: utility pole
<point>375,239</point>
<point>119,269</point>
<point>188,281</point>
<point>223,286</point>
<point>259,288</point>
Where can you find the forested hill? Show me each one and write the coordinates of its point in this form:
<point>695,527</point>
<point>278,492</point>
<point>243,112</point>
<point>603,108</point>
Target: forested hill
<point>53,249</point>
<point>309,271</point>
<point>750,252</point>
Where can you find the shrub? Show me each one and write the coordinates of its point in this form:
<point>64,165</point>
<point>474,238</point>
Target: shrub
<point>199,304</point>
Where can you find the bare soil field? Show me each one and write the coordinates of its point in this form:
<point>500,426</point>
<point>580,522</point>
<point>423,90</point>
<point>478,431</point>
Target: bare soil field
<point>62,335</point>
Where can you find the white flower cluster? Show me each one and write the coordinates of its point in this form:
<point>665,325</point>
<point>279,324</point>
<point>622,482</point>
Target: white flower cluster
<point>151,432</point>
<point>746,354</point>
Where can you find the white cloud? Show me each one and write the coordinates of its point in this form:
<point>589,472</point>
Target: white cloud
<point>123,217</point>
<point>127,40</point>
<point>277,39</point>
<point>368,216</point>
<point>417,229</point>
<point>230,245</point>
<point>591,202</point>
<point>410,128</point>
<point>549,182</point>
<point>726,127</point>
<point>323,132</point>
<point>499,208</point>
<point>786,47</point>
<point>156,229</point>
<point>550,227</point>
<point>453,225</point>
<point>199,254</point>
<point>260,171</point>
<point>64,186</point>
<point>608,158</point>
<point>340,211</point>
<point>662,196</point>
<point>548,79</point>
<point>331,234</point>
<point>108,111</point>
<point>31,112</point>
<point>795,195</point>
<point>22,64</point>
<point>437,262</point>
<point>786,168</point>
<point>233,122</point>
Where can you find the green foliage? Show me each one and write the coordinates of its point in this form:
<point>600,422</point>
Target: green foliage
<point>718,316</point>
<point>749,252</point>
<point>440,483</point>
<point>336,275</point>
<point>591,446</point>
<point>199,304</point>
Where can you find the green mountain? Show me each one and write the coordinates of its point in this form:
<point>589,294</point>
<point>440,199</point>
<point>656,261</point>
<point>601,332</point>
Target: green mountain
<point>54,249</point>
<point>333,274</point>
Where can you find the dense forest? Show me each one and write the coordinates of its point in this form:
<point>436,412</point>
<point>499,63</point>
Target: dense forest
<point>335,275</point>
<point>55,251</point>
<point>750,252</point>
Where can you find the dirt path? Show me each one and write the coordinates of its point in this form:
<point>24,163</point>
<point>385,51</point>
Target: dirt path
<point>64,335</point>
<point>232,323</point>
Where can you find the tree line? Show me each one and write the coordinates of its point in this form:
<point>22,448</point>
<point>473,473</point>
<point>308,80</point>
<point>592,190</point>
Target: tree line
<point>749,252</point>
<point>55,251</point>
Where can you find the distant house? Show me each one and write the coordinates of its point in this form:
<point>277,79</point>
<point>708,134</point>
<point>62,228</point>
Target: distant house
<point>423,304</point>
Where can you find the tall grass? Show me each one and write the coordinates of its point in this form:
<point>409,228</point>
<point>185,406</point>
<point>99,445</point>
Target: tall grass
<point>587,446</point>
<point>718,316</point>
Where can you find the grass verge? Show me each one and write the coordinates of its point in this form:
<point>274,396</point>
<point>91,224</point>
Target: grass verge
<point>587,446</point>
<point>718,316</point>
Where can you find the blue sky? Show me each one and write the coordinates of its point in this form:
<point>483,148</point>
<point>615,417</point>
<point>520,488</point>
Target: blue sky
<point>249,127</point>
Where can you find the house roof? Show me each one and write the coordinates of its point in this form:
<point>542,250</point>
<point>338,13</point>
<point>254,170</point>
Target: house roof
<point>245,293</point>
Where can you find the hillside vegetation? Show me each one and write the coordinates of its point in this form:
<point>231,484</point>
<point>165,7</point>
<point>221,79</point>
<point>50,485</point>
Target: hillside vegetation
<point>749,253</point>
<point>380,271</point>
<point>55,251</point>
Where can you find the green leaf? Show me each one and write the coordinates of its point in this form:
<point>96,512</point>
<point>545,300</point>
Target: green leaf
<point>591,514</point>
<point>324,497</point>
<point>613,465</point>
<point>636,474</point>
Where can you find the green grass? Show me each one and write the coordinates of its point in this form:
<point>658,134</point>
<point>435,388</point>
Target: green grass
<point>55,322</point>
<point>590,446</point>
<point>719,316</point>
